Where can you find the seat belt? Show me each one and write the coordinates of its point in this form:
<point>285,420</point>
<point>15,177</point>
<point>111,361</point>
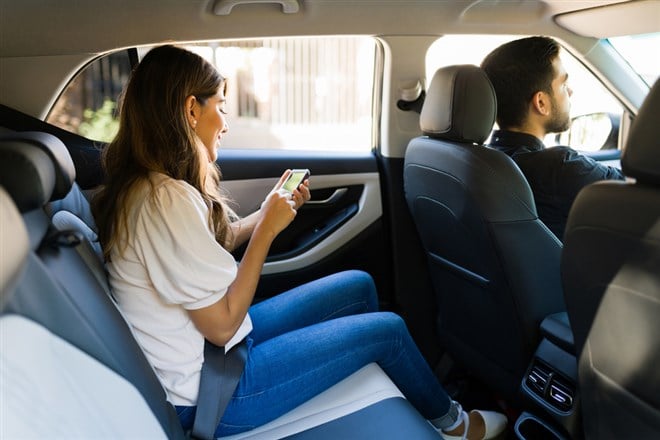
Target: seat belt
<point>220,371</point>
<point>220,375</point>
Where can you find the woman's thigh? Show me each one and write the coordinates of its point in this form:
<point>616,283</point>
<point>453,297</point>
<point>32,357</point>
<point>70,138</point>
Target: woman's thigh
<point>288,370</point>
<point>334,296</point>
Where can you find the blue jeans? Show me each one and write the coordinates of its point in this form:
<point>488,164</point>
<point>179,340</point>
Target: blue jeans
<point>307,339</point>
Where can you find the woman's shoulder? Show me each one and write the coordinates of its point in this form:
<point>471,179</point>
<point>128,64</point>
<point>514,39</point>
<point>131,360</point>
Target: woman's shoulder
<point>159,194</point>
<point>162,185</point>
<point>163,182</point>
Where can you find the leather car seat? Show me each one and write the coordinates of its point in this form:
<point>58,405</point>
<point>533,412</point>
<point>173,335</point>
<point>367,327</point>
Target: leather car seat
<point>611,275</point>
<point>494,265</point>
<point>62,318</point>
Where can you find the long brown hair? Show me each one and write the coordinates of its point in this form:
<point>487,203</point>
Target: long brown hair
<point>154,135</point>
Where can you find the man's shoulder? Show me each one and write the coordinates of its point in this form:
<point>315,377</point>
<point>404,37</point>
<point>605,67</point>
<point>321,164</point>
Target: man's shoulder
<point>562,151</point>
<point>514,143</point>
<point>569,155</point>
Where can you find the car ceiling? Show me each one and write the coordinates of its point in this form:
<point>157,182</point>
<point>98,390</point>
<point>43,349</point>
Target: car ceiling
<point>64,27</point>
<point>44,43</point>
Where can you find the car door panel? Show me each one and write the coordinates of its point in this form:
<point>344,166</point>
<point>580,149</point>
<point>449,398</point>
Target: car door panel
<point>340,228</point>
<point>341,207</point>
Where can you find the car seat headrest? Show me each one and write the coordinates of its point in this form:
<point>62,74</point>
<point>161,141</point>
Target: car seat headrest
<point>27,173</point>
<point>14,246</point>
<point>65,171</point>
<point>460,105</point>
<point>641,157</point>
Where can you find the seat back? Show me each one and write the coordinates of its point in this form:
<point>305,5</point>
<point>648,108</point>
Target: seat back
<point>59,290</point>
<point>49,387</point>
<point>494,265</point>
<point>611,275</point>
<point>14,247</point>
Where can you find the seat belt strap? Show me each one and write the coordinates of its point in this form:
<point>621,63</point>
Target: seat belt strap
<point>220,375</point>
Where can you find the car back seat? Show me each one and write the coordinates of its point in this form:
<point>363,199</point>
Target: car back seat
<point>58,290</point>
<point>49,387</point>
<point>62,290</point>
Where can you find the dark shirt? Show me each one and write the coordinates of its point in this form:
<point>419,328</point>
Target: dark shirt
<point>555,174</point>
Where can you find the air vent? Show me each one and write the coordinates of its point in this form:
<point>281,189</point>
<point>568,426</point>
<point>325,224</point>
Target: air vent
<point>538,377</point>
<point>561,393</point>
<point>552,387</point>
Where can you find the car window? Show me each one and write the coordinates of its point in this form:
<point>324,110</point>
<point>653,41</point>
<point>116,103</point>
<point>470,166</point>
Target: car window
<point>595,113</point>
<point>594,110</point>
<point>284,93</point>
<point>640,51</point>
<point>88,105</point>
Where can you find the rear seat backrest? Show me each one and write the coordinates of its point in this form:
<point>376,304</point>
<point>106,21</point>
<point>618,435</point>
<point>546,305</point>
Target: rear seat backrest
<point>50,388</point>
<point>74,202</point>
<point>59,290</point>
<point>68,206</point>
<point>15,246</point>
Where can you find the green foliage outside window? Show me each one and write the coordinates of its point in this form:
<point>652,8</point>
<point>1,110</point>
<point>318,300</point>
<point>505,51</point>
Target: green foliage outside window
<point>102,124</point>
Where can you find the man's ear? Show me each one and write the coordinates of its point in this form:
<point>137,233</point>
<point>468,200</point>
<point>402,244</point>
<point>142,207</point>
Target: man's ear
<point>541,103</point>
<point>192,110</point>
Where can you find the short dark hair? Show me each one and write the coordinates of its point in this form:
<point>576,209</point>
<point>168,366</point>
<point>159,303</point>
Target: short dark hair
<point>518,69</point>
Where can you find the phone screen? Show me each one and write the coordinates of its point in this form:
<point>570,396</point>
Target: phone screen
<point>295,179</point>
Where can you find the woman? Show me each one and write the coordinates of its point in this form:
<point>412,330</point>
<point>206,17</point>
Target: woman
<point>166,234</point>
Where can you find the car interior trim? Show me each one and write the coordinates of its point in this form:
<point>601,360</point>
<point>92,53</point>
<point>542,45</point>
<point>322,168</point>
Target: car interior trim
<point>248,195</point>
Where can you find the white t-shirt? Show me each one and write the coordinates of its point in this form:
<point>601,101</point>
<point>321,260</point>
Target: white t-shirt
<point>171,264</point>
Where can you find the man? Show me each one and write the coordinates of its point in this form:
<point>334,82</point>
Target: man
<point>533,99</point>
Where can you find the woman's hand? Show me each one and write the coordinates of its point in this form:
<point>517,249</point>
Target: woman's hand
<point>279,208</point>
<point>277,212</point>
<point>299,195</point>
<point>242,229</point>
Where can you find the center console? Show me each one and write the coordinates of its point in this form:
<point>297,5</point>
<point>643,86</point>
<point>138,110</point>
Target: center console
<point>549,386</point>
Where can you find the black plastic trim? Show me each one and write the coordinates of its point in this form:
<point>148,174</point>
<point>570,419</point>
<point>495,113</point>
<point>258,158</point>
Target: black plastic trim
<point>239,164</point>
<point>557,329</point>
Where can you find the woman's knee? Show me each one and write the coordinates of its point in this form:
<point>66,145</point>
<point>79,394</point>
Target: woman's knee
<point>363,283</point>
<point>393,322</point>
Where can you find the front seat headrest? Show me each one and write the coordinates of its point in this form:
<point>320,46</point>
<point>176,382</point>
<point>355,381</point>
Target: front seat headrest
<point>14,245</point>
<point>641,157</point>
<point>460,105</point>
<point>65,171</point>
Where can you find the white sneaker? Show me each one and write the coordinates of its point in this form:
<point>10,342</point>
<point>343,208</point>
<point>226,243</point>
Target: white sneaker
<point>494,422</point>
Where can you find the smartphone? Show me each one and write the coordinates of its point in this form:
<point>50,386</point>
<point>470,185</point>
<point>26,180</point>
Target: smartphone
<point>294,180</point>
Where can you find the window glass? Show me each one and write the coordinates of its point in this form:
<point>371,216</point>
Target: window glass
<point>641,52</point>
<point>594,111</point>
<point>283,93</point>
<point>461,49</point>
<point>589,97</point>
<point>88,105</point>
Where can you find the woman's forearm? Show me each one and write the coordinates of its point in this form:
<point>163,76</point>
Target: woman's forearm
<point>220,321</point>
<point>242,229</point>
<point>241,292</point>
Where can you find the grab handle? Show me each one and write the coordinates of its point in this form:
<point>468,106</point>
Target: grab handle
<point>224,7</point>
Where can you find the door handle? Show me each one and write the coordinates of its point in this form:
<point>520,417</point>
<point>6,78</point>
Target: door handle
<point>334,197</point>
